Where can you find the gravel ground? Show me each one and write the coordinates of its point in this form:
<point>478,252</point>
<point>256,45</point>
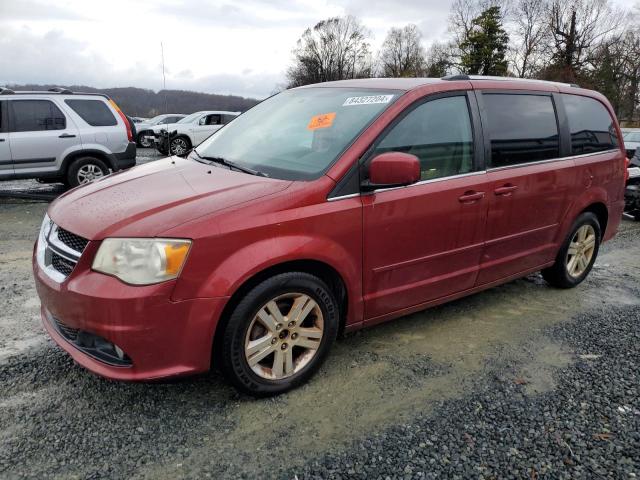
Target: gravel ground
<point>588,426</point>
<point>519,381</point>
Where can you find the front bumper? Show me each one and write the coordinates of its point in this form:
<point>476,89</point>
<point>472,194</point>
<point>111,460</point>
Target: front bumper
<point>159,337</point>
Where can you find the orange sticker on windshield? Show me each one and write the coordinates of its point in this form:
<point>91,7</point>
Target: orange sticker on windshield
<point>324,120</point>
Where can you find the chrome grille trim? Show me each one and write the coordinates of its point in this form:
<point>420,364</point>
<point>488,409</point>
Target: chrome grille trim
<point>55,257</point>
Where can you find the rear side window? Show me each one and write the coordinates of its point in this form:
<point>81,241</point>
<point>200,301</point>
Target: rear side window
<point>35,116</point>
<point>94,112</point>
<point>439,133</point>
<point>592,128</point>
<point>3,127</point>
<point>522,128</point>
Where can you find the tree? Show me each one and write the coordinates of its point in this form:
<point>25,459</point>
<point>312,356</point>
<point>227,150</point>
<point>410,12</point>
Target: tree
<point>402,53</point>
<point>577,29</point>
<point>334,49</point>
<point>438,62</point>
<point>485,46</point>
<point>530,35</point>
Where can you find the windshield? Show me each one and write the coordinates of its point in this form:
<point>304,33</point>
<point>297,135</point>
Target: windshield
<point>190,118</point>
<point>297,134</point>
<point>631,136</point>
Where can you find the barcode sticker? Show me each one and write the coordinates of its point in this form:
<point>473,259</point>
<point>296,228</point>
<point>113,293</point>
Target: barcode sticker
<point>367,100</point>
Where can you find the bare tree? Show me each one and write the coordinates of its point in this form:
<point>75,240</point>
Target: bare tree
<point>577,28</point>
<point>402,53</point>
<point>529,35</point>
<point>334,49</point>
<point>438,62</point>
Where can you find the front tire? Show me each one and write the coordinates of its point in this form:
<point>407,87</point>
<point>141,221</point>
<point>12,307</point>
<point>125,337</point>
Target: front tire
<point>279,334</point>
<point>179,146</point>
<point>577,254</point>
<point>85,170</point>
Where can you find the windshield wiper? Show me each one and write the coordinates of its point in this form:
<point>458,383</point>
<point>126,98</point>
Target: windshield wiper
<point>230,164</point>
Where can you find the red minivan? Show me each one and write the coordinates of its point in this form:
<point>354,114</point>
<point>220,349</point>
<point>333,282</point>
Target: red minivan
<point>323,209</point>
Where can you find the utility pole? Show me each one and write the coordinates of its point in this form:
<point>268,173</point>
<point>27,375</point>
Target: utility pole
<point>164,80</point>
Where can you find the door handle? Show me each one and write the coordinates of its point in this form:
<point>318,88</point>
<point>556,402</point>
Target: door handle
<point>1,139</point>
<point>471,197</point>
<point>66,135</point>
<point>505,190</point>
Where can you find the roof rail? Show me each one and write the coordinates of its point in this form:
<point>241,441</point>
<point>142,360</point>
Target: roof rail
<point>506,79</point>
<point>6,91</point>
<point>63,90</point>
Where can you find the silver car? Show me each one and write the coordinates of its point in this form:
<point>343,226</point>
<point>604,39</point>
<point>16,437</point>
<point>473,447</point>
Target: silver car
<point>631,137</point>
<point>62,136</point>
<point>145,128</point>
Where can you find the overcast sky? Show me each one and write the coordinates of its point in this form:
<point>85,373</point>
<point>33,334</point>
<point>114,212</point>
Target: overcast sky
<point>216,46</point>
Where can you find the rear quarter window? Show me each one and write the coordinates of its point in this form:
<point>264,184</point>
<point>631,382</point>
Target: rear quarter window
<point>95,112</point>
<point>592,128</point>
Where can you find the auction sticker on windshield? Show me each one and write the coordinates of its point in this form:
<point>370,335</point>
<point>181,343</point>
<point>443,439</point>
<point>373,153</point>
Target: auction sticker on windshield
<point>367,100</point>
<point>324,120</point>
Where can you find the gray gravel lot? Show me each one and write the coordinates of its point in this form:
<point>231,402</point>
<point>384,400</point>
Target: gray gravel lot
<point>521,381</point>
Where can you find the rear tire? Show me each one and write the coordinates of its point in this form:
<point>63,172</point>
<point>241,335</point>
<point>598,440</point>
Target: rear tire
<point>279,334</point>
<point>577,254</point>
<point>142,140</point>
<point>84,170</point>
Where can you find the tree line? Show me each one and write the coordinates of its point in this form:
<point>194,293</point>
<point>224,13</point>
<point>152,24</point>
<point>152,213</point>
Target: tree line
<point>141,102</point>
<point>588,42</point>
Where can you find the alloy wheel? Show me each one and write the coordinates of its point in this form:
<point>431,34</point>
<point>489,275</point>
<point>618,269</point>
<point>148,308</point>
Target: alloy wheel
<point>88,173</point>
<point>178,146</point>
<point>580,251</point>
<point>284,336</point>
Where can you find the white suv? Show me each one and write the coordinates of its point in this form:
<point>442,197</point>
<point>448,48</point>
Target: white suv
<point>191,131</point>
<point>62,136</point>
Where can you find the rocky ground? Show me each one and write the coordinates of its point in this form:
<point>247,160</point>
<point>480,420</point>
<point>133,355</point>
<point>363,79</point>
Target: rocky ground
<point>521,381</point>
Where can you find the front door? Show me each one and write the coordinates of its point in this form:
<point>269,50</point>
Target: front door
<point>6,166</point>
<point>40,134</point>
<point>206,126</point>
<point>424,241</point>
<point>530,184</point>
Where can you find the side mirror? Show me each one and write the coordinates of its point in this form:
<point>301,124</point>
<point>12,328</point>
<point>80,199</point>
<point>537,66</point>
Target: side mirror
<point>392,169</point>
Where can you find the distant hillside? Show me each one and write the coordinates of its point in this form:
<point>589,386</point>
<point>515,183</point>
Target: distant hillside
<point>139,102</point>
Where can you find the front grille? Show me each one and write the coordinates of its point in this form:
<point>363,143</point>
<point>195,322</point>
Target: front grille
<point>61,264</point>
<point>59,251</point>
<point>71,240</point>
<point>67,332</point>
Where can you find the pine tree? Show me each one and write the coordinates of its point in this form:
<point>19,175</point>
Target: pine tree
<point>485,46</point>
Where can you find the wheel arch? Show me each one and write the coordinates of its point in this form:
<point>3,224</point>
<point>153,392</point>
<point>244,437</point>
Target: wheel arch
<point>320,269</point>
<point>73,156</point>
<point>594,200</point>
<point>600,210</point>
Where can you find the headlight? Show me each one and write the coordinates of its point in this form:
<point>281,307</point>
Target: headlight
<point>141,261</point>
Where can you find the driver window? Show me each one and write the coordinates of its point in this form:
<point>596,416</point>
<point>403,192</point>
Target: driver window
<point>214,119</point>
<point>439,133</point>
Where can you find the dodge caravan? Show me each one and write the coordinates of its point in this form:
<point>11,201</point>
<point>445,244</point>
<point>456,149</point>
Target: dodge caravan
<point>323,209</point>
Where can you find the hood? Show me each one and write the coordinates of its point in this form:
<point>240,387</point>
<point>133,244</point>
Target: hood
<point>152,198</point>
<point>165,126</point>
